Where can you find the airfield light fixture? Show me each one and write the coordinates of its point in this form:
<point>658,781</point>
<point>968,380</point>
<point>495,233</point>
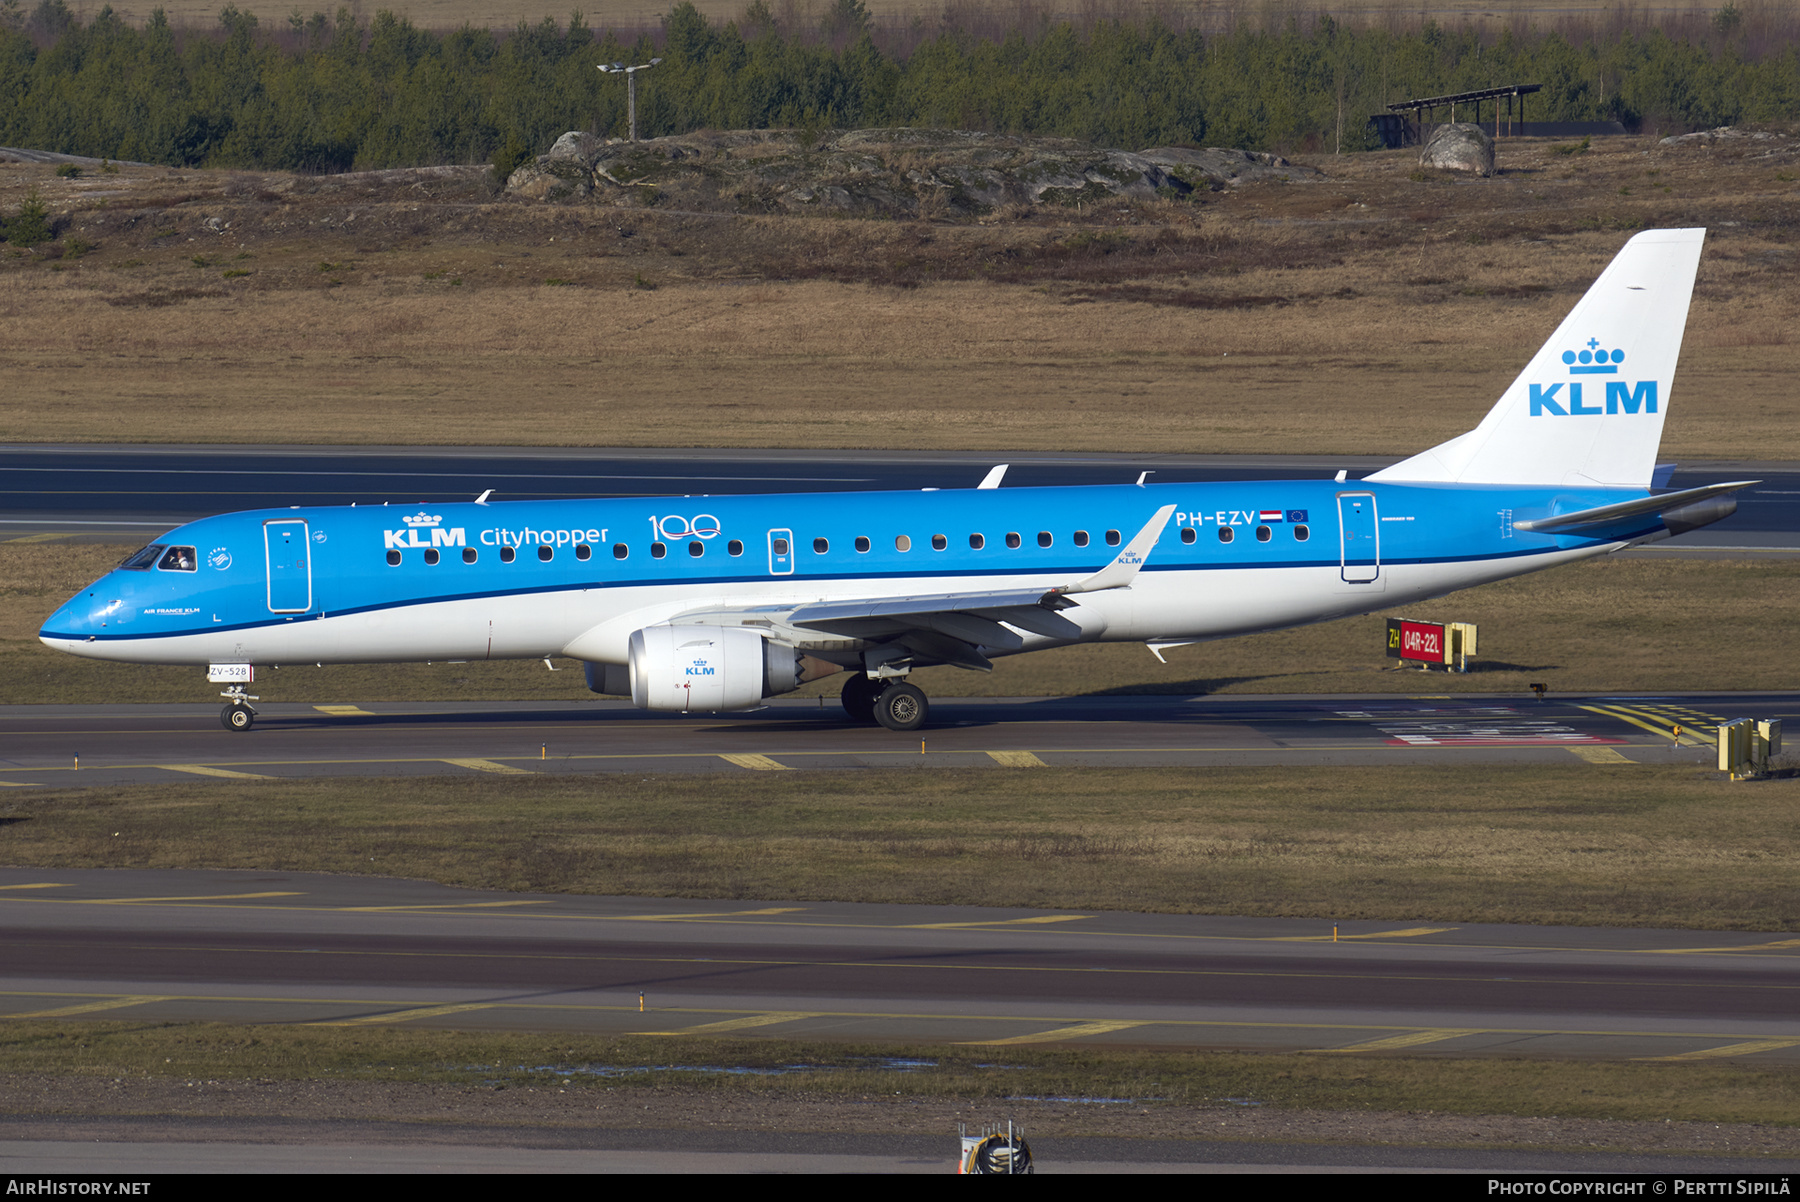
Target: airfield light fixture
<point>630,86</point>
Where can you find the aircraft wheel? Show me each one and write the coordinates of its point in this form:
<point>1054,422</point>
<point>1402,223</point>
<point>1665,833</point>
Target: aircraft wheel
<point>238,717</point>
<point>902,706</point>
<point>859,697</point>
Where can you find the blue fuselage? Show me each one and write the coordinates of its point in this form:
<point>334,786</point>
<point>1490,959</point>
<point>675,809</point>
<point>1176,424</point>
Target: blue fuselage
<point>529,579</point>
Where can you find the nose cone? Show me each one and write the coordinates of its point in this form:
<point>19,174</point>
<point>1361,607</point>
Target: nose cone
<point>76,626</point>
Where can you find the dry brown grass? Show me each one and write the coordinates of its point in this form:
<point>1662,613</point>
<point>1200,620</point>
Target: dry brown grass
<point>1332,317</point>
<point>1621,625</point>
<point>1629,846</point>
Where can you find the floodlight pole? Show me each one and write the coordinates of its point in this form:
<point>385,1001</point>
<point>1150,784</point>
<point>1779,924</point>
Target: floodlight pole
<point>630,86</point>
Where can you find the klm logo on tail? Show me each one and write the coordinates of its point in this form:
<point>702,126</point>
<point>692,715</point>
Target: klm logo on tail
<point>1549,400</point>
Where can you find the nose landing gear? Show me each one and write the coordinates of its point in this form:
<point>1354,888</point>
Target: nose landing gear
<point>237,714</point>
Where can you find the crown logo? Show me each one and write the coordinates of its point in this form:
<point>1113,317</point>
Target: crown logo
<point>422,518</point>
<point>1593,361</point>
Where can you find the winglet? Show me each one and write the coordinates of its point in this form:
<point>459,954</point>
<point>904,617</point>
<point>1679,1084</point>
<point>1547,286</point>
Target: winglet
<point>992,479</point>
<point>482,499</point>
<point>1124,569</point>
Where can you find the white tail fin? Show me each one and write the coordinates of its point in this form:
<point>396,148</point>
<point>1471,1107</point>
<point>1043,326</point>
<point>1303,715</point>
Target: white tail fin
<point>1589,408</point>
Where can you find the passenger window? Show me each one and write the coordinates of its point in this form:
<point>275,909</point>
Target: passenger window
<point>431,556</point>
<point>903,542</point>
<point>1262,534</point>
<point>1225,534</point>
<point>1189,534</point>
<point>1112,538</point>
<point>620,550</point>
<point>143,560</point>
<point>1044,539</point>
<point>583,552</point>
<point>779,545</point>
<point>1301,534</point>
<point>939,542</point>
<point>696,549</point>
<point>1012,539</point>
<point>862,545</point>
<point>734,547</point>
<point>393,559</point>
<point>1081,539</point>
<point>470,554</point>
<point>545,554</point>
<point>977,541</point>
<point>507,554</point>
<point>657,550</point>
<point>821,546</point>
<point>178,559</point>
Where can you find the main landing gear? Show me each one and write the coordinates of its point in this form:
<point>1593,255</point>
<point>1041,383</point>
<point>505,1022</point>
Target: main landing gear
<point>237,714</point>
<point>893,703</point>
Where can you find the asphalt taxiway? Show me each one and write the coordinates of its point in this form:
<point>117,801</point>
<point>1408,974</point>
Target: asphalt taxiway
<point>137,492</point>
<point>73,746</point>
<point>276,947</point>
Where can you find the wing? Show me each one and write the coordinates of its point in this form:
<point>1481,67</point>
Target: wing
<point>954,628</point>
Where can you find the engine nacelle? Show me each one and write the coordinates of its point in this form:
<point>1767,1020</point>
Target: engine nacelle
<point>708,669</point>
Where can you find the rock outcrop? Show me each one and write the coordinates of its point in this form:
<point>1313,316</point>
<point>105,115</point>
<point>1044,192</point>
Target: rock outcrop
<point>878,172</point>
<point>1459,146</point>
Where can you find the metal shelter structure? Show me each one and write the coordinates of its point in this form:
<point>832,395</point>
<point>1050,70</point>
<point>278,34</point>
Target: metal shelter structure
<point>1413,130</point>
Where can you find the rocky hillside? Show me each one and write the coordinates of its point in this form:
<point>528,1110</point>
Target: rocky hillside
<point>879,172</point>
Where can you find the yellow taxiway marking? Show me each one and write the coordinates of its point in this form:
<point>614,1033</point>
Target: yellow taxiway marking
<point>720,914</point>
<point>203,770</point>
<point>1662,721</point>
<point>1748,1048</point>
<point>344,711</point>
<point>1746,947</point>
<point>1598,755</point>
<point>758,763</point>
<point>996,922</point>
<point>19,784</point>
<point>113,1003</point>
<point>406,1016</point>
<point>1407,933</point>
<point>490,766</point>
<point>1017,759</point>
<point>35,538</point>
<point>1407,1039</point>
<point>39,885</point>
<point>743,1024</point>
<point>494,905</point>
<point>1078,1031</point>
<point>136,901</point>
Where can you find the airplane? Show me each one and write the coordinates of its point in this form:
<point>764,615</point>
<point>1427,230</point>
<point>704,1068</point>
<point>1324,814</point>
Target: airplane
<point>714,604</point>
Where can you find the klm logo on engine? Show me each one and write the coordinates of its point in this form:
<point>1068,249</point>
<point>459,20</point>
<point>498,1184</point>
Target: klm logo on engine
<point>423,523</point>
<point>1550,400</point>
<point>701,668</point>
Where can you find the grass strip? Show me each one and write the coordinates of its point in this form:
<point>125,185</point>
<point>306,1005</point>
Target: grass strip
<point>1683,1091</point>
<point>1579,844</point>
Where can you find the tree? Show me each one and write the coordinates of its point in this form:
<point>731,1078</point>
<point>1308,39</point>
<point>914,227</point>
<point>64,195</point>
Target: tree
<point>32,225</point>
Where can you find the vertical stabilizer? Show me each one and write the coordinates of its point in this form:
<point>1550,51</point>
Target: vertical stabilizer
<point>1589,408</point>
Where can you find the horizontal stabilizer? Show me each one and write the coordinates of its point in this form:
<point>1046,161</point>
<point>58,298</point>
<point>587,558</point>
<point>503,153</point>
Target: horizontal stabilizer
<point>1606,515</point>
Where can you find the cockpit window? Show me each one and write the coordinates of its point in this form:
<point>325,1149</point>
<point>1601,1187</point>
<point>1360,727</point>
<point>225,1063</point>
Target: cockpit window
<point>144,560</point>
<point>178,559</point>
